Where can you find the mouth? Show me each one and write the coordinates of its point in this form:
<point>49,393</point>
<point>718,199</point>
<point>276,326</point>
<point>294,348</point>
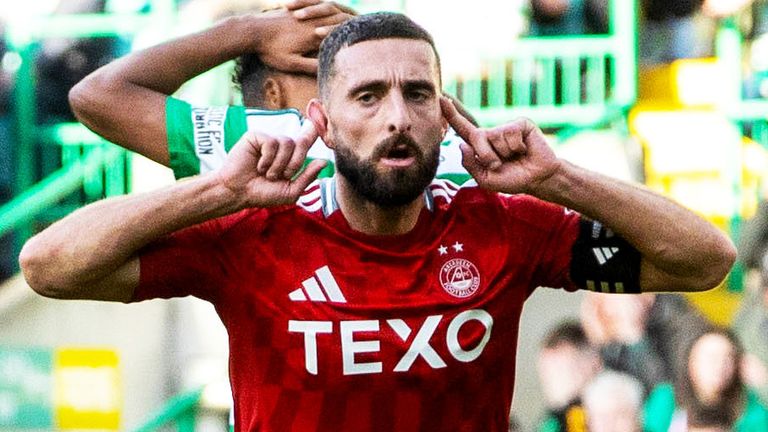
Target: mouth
<point>401,153</point>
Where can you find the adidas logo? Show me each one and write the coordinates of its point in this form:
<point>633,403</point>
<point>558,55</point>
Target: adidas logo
<point>319,288</point>
<point>603,254</point>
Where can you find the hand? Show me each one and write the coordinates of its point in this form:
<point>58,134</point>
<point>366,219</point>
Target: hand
<point>295,33</point>
<point>512,158</point>
<point>608,318</point>
<point>260,169</point>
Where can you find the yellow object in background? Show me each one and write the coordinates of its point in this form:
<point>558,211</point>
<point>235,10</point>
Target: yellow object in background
<point>687,83</point>
<point>87,389</point>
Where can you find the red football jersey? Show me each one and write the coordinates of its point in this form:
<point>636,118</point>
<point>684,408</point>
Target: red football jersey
<point>334,330</point>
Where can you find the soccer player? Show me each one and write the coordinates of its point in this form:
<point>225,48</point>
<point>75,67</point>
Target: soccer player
<point>276,54</point>
<point>379,299</point>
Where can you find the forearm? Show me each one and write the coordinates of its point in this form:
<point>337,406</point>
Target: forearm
<point>124,101</point>
<point>670,238</point>
<point>97,240</point>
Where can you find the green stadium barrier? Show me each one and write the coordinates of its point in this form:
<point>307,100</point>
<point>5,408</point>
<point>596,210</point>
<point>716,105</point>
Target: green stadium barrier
<point>34,143</point>
<point>181,411</point>
<point>569,81</point>
<point>44,195</point>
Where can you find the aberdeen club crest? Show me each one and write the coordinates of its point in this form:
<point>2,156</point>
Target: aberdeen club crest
<point>459,277</point>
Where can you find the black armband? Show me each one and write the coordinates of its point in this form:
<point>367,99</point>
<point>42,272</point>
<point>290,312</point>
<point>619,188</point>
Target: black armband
<point>604,262</point>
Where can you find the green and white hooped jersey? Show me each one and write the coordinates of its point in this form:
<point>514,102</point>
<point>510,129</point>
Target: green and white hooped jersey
<point>199,138</point>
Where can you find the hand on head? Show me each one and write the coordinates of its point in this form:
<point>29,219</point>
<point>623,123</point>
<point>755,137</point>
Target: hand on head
<point>299,29</point>
<point>511,158</point>
<point>261,168</point>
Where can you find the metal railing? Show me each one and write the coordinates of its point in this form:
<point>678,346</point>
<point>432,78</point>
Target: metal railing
<point>88,164</point>
<point>580,80</point>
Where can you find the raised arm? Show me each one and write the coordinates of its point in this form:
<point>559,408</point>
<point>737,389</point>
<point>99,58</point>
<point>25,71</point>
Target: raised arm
<point>124,101</point>
<point>93,253</point>
<point>680,251</point>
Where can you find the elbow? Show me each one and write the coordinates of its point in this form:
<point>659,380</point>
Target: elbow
<point>37,266</point>
<point>92,96</point>
<point>717,267</point>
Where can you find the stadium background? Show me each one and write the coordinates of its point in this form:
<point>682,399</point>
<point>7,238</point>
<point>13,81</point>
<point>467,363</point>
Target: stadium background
<point>694,129</point>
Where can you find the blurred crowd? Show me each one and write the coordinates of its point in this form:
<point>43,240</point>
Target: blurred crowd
<point>653,363</point>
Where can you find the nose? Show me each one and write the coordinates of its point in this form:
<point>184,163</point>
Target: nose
<point>399,115</point>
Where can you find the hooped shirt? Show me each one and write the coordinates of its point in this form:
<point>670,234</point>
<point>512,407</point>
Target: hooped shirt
<point>199,138</point>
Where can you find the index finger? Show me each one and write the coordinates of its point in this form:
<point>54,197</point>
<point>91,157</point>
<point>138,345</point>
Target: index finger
<point>307,136</point>
<point>463,127</point>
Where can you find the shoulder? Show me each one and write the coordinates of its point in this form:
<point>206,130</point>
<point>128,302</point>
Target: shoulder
<point>518,205</point>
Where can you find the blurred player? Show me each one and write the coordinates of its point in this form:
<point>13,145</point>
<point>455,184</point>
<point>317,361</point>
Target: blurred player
<point>276,71</point>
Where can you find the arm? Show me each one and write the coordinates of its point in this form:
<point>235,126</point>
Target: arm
<point>124,101</point>
<point>680,251</point>
<point>94,252</point>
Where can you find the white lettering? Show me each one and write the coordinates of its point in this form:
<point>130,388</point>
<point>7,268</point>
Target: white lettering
<point>420,345</point>
<point>350,347</point>
<point>452,336</point>
<point>310,330</point>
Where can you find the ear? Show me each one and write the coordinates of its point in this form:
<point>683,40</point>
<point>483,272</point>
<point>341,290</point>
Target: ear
<point>317,115</point>
<point>274,98</point>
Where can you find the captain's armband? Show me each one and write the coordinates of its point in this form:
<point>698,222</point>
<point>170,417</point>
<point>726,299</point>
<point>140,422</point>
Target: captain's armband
<point>603,261</point>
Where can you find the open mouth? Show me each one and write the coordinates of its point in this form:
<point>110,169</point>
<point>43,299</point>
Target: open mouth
<point>399,155</point>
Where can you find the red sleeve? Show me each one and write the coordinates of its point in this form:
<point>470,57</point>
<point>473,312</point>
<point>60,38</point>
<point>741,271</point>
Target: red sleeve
<point>192,261</point>
<point>550,231</point>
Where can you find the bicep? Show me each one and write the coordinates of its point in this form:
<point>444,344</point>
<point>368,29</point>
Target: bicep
<point>125,114</point>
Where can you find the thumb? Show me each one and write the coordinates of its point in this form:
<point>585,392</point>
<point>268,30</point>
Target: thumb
<point>310,173</point>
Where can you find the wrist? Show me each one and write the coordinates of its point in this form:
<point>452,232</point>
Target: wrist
<point>249,31</point>
<point>236,34</point>
<point>553,187</point>
<point>214,198</point>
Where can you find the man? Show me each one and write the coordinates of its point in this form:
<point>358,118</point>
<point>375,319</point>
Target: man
<point>379,299</point>
<point>276,54</point>
<point>613,402</point>
<point>566,364</point>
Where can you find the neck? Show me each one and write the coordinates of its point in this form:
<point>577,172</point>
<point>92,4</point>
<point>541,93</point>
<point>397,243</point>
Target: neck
<point>372,219</point>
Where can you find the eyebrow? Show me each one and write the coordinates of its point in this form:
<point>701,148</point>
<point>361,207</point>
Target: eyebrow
<point>381,85</point>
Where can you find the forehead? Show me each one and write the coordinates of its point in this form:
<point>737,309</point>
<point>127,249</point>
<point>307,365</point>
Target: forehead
<point>385,59</point>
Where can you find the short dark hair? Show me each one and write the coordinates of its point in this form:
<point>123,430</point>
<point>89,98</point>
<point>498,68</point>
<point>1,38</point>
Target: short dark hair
<point>567,332</point>
<point>249,76</point>
<point>724,411</point>
<point>375,26</point>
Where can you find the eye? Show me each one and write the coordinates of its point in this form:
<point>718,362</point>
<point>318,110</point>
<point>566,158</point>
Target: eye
<point>367,98</point>
<point>418,95</point>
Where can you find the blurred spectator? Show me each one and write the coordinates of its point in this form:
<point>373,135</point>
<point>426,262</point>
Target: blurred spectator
<point>566,364</point>
<point>751,321</point>
<point>680,29</point>
<point>613,402</point>
<point>7,260</point>
<point>668,31</point>
<point>64,62</point>
<point>708,392</point>
<point>616,325</point>
<point>567,17</point>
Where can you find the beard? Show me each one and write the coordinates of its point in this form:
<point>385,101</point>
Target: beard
<point>395,187</point>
